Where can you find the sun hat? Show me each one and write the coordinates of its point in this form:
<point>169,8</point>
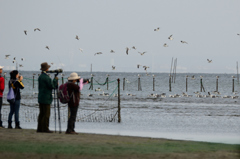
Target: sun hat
<point>44,66</point>
<point>1,67</point>
<point>73,76</point>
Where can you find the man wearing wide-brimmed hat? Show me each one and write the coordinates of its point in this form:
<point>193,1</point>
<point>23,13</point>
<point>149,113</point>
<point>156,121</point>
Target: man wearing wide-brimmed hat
<point>45,87</point>
<point>1,94</point>
<point>74,92</point>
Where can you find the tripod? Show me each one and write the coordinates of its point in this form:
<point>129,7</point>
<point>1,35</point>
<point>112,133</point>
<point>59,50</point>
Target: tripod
<point>59,119</point>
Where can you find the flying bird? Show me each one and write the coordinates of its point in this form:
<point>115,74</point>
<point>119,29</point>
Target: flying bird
<point>127,49</point>
<point>238,34</point>
<point>52,63</point>
<point>14,58</point>
<point>165,45</point>
<point>170,37</point>
<point>7,56</point>
<point>37,29</point>
<point>157,29</point>
<point>20,65</point>
<point>98,53</point>
<point>193,77</point>
<point>142,53</point>
<point>184,42</point>
<point>77,37</point>
<point>209,61</point>
<point>145,68</point>
<point>81,49</point>
<point>47,47</point>
<point>22,59</point>
<point>138,65</point>
<point>134,48</point>
<point>112,51</point>
<point>13,61</point>
<point>25,31</point>
<point>113,67</point>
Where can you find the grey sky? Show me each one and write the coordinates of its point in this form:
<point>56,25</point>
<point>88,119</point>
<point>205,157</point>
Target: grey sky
<point>209,27</point>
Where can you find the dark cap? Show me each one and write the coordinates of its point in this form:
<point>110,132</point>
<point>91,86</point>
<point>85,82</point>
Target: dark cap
<point>44,66</point>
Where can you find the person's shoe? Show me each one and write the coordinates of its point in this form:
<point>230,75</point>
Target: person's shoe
<point>1,126</point>
<point>10,125</point>
<point>18,125</point>
<point>38,131</point>
<point>72,133</point>
<point>75,132</point>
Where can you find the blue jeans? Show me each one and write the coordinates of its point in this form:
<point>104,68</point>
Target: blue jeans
<point>14,109</point>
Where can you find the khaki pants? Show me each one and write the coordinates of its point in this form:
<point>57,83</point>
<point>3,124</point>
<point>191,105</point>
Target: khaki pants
<point>43,117</point>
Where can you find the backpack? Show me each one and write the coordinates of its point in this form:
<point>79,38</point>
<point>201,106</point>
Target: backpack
<point>63,94</point>
<point>11,96</point>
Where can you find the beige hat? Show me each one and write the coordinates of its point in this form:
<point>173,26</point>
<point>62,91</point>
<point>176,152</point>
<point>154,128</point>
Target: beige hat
<point>73,76</point>
<point>1,67</point>
<point>44,66</point>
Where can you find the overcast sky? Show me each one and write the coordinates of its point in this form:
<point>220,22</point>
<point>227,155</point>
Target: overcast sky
<point>209,27</point>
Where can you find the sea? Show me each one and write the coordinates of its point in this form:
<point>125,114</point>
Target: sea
<point>152,105</point>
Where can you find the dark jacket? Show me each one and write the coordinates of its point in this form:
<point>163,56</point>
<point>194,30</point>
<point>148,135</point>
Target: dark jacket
<point>1,85</point>
<point>16,85</point>
<point>75,98</point>
<point>45,87</point>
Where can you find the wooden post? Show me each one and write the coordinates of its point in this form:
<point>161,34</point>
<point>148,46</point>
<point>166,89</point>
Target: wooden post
<point>107,82</point>
<point>201,85</point>
<point>153,83</point>
<point>33,81</point>
<point>186,83</point>
<point>119,105</point>
<point>171,69</point>
<point>92,83</point>
<point>233,85</point>
<point>170,87</point>
<point>123,83</point>
<point>138,83</point>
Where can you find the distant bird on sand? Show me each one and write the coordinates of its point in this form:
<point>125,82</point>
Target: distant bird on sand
<point>112,51</point>
<point>209,61</point>
<point>145,68</point>
<point>165,45</point>
<point>25,31</point>
<point>47,47</point>
<point>127,49</point>
<point>77,37</point>
<point>81,49</point>
<point>134,48</point>
<point>170,37</point>
<point>98,53</point>
<point>142,53</point>
<point>157,29</point>
<point>113,67</point>
<point>37,29</point>
<point>138,65</point>
<point>184,42</point>
<point>20,65</point>
<point>7,56</point>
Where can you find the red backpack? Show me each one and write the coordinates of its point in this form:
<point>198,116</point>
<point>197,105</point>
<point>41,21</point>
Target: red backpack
<point>63,93</point>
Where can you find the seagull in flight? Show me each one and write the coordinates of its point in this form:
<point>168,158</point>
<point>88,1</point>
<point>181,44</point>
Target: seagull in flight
<point>25,31</point>
<point>209,61</point>
<point>134,48</point>
<point>20,65</point>
<point>22,59</point>
<point>145,68</point>
<point>77,37</point>
<point>47,47</point>
<point>193,77</point>
<point>14,58</point>
<point>170,37</point>
<point>138,65</point>
<point>238,34</point>
<point>157,29</point>
<point>184,42</point>
<point>113,67</point>
<point>112,51</point>
<point>142,53</point>
<point>81,49</point>
<point>7,56</point>
<point>165,45</point>
<point>37,29</point>
<point>127,49</point>
<point>98,53</point>
<point>52,63</point>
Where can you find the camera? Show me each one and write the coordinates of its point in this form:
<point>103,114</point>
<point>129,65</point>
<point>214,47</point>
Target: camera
<point>55,71</point>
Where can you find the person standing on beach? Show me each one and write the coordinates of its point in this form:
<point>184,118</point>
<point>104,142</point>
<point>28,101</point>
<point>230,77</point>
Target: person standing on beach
<point>2,85</point>
<point>74,92</point>
<point>16,83</point>
<point>45,87</point>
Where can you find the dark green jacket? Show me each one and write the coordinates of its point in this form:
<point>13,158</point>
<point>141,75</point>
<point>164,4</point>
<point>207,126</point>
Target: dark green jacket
<point>45,87</point>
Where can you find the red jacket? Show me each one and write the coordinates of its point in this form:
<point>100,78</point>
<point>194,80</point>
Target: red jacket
<point>1,85</point>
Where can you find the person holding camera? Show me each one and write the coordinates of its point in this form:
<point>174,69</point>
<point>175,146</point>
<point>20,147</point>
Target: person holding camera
<point>74,92</point>
<point>16,84</point>
<point>45,87</point>
<point>2,85</point>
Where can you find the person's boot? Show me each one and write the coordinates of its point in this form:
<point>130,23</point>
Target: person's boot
<point>18,125</point>
<point>9,125</point>
<point>1,126</point>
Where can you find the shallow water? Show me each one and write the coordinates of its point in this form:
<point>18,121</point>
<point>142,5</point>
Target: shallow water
<point>184,118</point>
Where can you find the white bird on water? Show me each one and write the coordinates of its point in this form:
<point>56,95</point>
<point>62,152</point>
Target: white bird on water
<point>170,37</point>
<point>183,42</point>
<point>165,45</point>
<point>209,61</point>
